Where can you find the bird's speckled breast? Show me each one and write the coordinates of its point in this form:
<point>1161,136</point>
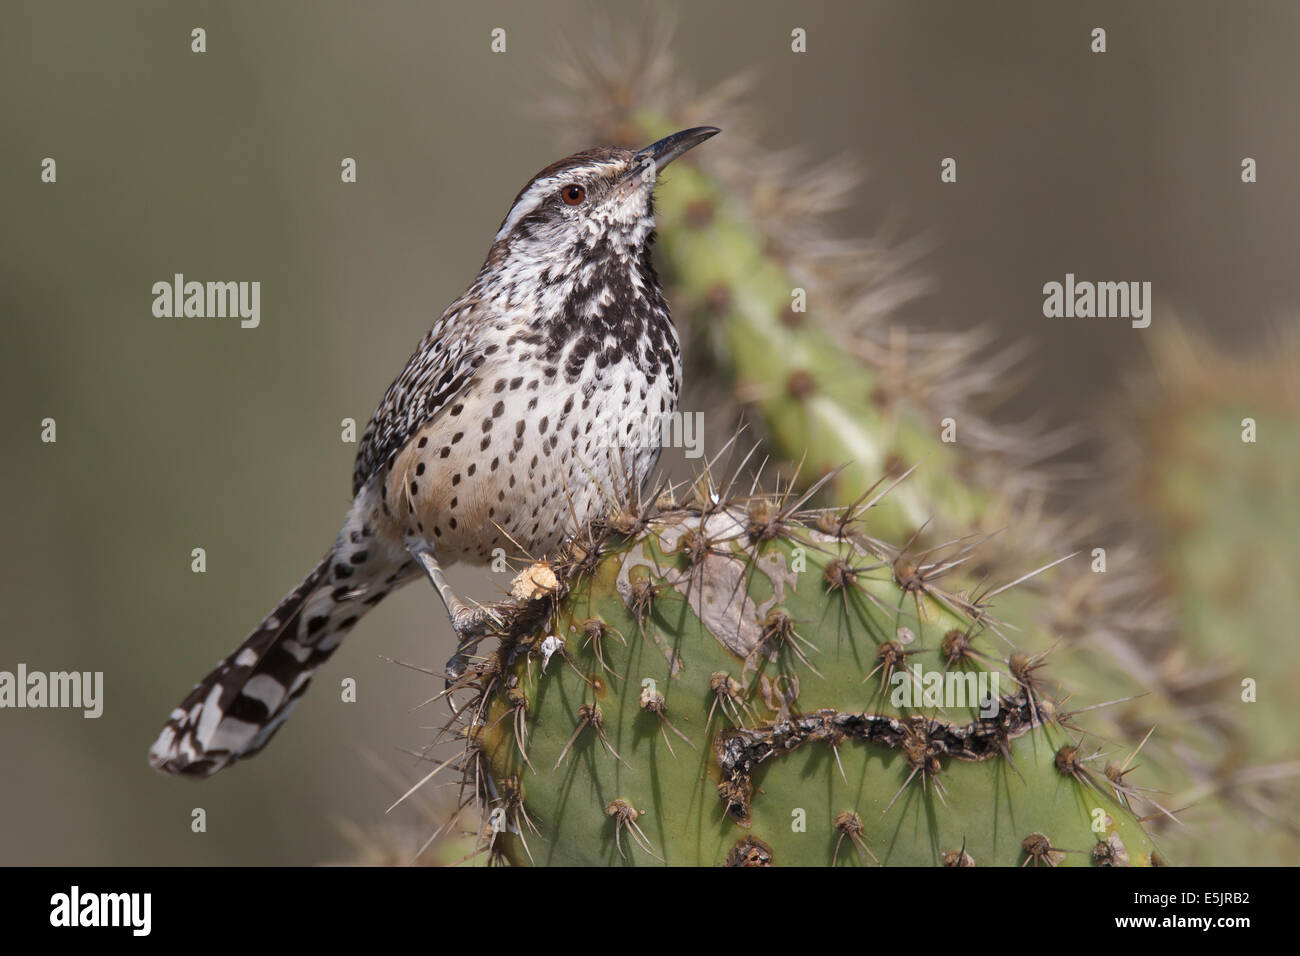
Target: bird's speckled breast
<point>526,455</point>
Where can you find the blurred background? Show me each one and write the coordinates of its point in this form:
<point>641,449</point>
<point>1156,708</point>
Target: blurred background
<point>176,434</point>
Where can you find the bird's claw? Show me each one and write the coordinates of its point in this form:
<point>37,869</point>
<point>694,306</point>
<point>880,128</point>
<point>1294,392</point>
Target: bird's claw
<point>471,624</point>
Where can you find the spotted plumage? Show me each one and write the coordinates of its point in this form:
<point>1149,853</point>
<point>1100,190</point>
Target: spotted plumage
<point>534,398</point>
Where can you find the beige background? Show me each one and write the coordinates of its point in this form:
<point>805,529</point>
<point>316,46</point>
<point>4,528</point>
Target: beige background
<point>177,434</point>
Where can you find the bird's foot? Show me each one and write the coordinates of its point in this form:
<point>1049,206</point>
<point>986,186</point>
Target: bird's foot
<point>472,625</point>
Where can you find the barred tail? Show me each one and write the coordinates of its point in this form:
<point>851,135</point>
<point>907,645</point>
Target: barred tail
<point>234,711</point>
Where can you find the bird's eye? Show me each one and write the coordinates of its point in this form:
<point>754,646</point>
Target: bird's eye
<point>573,194</point>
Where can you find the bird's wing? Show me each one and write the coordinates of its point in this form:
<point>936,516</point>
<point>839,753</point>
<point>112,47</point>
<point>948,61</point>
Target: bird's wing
<point>438,370</point>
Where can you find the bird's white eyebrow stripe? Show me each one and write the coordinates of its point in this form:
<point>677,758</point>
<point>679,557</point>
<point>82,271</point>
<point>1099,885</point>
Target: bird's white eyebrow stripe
<point>543,188</point>
<point>528,202</point>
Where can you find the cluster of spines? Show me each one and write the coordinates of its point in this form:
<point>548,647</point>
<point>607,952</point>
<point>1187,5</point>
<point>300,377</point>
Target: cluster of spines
<point>527,628</point>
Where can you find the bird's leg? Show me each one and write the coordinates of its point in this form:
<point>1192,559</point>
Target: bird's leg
<point>471,624</point>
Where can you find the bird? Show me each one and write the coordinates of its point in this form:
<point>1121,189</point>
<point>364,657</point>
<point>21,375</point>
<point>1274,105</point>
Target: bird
<point>538,390</point>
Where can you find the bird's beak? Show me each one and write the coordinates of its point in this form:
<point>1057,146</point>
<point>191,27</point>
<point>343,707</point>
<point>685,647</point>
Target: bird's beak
<point>670,147</point>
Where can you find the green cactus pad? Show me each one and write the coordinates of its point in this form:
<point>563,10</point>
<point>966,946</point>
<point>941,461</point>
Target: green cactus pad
<point>744,685</point>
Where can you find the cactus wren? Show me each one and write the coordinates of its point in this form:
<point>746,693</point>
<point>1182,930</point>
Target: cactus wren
<point>531,399</point>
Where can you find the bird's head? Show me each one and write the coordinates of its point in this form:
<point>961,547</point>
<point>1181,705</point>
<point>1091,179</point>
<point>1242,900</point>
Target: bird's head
<point>599,202</point>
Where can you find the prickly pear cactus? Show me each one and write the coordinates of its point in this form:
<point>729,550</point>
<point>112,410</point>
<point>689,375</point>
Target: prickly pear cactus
<point>801,326</point>
<point>744,685</point>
